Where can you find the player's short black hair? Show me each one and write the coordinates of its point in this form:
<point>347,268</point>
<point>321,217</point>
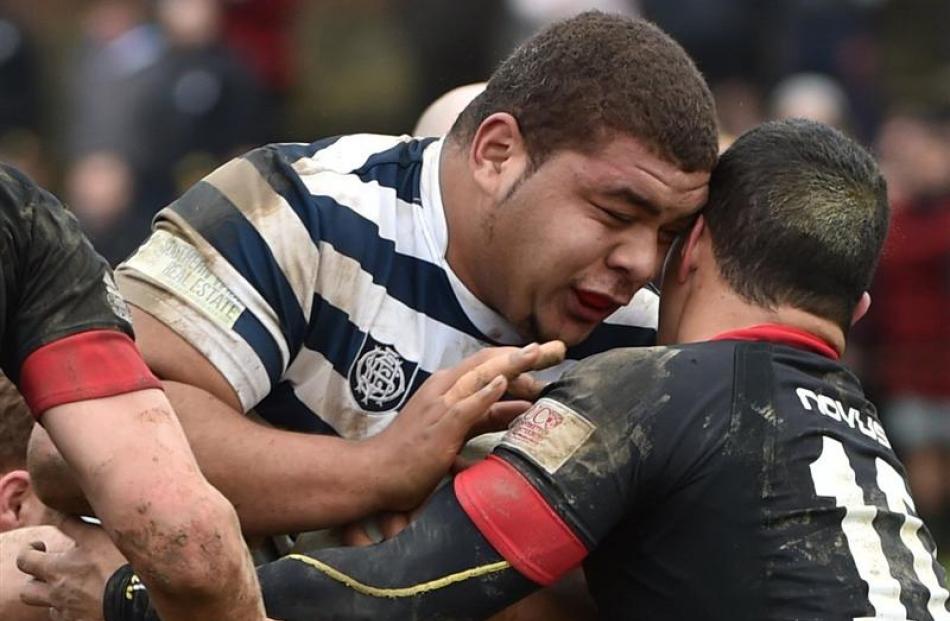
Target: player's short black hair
<point>16,423</point>
<point>581,80</point>
<point>798,214</point>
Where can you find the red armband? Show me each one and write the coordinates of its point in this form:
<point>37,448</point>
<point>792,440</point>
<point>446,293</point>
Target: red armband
<point>88,365</point>
<point>518,522</point>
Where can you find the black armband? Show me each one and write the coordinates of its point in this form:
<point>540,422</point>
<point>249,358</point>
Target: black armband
<point>126,598</point>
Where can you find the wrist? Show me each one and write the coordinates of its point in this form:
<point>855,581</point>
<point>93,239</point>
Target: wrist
<point>125,598</point>
<point>385,473</point>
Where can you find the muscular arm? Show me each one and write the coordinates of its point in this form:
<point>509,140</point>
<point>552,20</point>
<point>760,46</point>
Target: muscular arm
<point>521,519</point>
<point>132,460</point>
<point>279,481</point>
<point>439,567</point>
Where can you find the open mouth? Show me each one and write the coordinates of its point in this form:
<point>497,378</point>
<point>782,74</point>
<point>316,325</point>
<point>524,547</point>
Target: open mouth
<point>592,306</point>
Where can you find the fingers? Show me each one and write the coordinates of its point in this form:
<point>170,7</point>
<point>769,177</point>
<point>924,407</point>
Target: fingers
<point>472,409</point>
<point>33,560</point>
<point>550,354</point>
<point>525,387</point>
<point>355,535</point>
<point>36,593</point>
<point>391,523</point>
<point>499,416</point>
<point>505,361</point>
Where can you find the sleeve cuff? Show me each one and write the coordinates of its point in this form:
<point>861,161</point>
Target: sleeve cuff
<point>88,365</point>
<point>518,522</point>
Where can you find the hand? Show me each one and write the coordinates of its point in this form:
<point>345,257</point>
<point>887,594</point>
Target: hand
<point>70,582</point>
<point>387,525</point>
<point>419,447</point>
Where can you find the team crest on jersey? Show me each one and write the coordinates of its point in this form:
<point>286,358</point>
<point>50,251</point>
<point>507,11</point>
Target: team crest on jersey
<point>380,378</point>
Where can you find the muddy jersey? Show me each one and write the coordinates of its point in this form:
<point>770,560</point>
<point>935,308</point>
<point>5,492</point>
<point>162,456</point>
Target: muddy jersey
<point>52,283</point>
<point>745,478</point>
<point>314,278</point>
<point>720,480</point>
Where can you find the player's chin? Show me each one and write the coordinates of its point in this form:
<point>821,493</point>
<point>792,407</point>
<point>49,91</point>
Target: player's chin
<point>571,330</point>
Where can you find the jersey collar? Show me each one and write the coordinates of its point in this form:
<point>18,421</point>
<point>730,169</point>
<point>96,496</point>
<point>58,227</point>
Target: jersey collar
<point>784,335</point>
<point>492,325</point>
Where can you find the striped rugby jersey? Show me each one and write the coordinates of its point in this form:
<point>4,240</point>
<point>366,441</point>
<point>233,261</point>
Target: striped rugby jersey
<point>314,278</point>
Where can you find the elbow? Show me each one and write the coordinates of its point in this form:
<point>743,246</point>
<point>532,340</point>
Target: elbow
<point>183,549</point>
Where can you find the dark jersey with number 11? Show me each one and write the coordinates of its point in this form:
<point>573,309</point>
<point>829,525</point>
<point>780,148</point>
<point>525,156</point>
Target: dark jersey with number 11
<point>743,478</point>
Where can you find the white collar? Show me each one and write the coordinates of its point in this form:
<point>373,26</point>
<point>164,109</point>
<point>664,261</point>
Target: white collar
<point>488,322</point>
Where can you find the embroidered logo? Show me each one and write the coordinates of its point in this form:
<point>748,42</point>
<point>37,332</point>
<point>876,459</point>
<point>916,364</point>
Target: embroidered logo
<point>380,378</point>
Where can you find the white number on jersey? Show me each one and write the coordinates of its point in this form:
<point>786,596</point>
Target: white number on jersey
<point>834,476</point>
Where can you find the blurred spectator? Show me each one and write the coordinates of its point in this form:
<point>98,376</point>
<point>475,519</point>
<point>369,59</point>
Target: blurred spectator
<point>261,33</point>
<point>452,43</point>
<point>202,100</point>
<point>811,96</point>
<point>20,101</point>
<point>157,105</point>
<point>909,329</point>
<point>107,180</point>
<point>740,108</point>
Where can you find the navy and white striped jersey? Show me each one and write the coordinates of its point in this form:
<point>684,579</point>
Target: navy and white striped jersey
<point>314,278</point>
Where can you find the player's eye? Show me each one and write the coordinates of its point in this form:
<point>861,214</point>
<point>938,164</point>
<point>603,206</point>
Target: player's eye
<point>617,217</point>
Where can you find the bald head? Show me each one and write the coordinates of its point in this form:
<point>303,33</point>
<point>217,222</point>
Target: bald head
<point>438,118</point>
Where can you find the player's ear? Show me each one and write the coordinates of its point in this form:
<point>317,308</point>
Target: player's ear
<point>497,155</point>
<point>689,259</point>
<point>14,491</point>
<point>861,308</point>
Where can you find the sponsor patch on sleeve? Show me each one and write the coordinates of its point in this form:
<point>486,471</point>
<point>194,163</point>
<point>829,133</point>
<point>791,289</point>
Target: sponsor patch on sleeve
<point>548,434</point>
<point>180,267</point>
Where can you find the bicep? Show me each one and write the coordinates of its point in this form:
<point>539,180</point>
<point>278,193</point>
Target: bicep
<point>172,358</point>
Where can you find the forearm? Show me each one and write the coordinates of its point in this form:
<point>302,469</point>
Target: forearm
<point>133,462</point>
<point>439,567</point>
<point>279,481</point>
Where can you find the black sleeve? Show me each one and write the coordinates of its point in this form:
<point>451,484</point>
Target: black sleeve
<point>53,282</point>
<point>597,441</point>
<point>440,567</point>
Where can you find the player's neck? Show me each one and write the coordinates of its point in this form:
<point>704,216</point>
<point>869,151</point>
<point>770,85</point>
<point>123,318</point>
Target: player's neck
<point>462,209</point>
<point>722,310</point>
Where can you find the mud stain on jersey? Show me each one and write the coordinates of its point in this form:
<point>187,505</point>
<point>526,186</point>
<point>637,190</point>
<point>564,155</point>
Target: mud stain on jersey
<point>621,392</point>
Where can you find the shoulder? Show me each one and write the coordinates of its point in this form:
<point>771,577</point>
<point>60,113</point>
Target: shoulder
<point>643,381</point>
<point>341,154</point>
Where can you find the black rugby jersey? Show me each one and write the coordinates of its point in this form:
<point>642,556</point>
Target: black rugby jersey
<point>731,480</point>
<point>52,282</point>
<point>721,480</point>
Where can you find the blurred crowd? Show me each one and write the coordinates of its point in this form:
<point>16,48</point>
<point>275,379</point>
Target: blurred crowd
<point>118,105</point>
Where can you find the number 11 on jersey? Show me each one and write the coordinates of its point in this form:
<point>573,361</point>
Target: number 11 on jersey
<point>834,476</point>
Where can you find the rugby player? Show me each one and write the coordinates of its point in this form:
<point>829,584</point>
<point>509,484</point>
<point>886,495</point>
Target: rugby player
<point>320,285</point>
<point>738,474</point>
<point>66,343</point>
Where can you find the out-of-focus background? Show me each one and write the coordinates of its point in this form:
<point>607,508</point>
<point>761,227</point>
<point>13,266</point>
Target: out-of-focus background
<point>118,105</point>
